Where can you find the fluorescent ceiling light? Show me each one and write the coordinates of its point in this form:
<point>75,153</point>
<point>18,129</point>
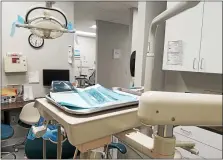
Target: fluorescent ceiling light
<point>87,34</point>
<point>94,27</point>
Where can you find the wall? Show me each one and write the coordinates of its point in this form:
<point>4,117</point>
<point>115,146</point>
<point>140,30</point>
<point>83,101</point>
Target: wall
<point>134,15</point>
<point>53,55</point>
<point>87,46</point>
<point>112,72</point>
<point>148,11</point>
<point>193,82</point>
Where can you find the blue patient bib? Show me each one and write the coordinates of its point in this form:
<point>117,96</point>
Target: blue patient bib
<point>91,97</point>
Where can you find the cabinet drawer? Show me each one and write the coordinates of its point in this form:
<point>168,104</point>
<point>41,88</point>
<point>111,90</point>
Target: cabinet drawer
<point>201,135</point>
<point>205,151</point>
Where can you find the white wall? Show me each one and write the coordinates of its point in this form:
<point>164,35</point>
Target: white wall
<point>112,72</point>
<point>134,12</point>
<point>53,55</point>
<point>193,82</point>
<point>147,11</point>
<point>87,46</point>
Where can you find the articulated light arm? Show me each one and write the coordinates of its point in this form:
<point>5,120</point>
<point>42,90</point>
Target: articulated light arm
<point>174,108</point>
<point>169,13</point>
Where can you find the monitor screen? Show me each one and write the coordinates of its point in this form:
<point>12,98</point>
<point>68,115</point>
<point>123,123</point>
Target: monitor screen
<point>50,75</point>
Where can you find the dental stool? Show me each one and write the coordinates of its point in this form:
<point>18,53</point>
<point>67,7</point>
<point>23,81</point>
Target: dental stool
<point>6,132</point>
<point>28,117</point>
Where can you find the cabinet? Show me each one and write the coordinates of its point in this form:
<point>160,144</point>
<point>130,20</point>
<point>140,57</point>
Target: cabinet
<point>211,40</point>
<point>200,31</point>
<point>209,144</point>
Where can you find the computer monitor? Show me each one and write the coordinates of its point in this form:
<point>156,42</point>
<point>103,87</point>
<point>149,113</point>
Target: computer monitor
<point>50,75</point>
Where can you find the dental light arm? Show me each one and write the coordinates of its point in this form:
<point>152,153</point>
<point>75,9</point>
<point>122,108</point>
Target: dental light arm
<point>166,109</point>
<point>169,13</point>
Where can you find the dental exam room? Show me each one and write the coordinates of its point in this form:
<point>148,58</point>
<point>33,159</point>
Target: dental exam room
<point>111,79</point>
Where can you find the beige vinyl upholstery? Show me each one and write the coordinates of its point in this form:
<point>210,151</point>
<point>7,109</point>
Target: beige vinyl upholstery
<point>29,114</point>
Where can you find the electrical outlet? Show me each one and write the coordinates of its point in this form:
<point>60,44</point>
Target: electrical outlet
<point>13,119</point>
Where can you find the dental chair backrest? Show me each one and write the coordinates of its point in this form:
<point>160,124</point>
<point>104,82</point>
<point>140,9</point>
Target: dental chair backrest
<point>29,115</point>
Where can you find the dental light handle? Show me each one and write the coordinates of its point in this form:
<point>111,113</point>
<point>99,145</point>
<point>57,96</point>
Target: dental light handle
<point>45,8</point>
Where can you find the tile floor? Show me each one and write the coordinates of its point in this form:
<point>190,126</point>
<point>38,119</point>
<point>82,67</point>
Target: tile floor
<point>6,147</point>
<point>19,155</point>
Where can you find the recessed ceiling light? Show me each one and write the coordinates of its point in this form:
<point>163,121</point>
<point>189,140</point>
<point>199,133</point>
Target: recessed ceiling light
<point>87,34</point>
<point>94,27</point>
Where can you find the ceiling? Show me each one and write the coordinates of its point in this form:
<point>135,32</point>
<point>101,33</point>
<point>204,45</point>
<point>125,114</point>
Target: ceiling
<point>86,13</point>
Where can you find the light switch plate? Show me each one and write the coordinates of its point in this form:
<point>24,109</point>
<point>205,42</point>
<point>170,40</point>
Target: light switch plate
<point>116,53</point>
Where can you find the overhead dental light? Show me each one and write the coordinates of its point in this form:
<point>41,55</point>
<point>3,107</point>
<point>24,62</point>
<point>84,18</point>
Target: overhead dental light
<point>46,25</point>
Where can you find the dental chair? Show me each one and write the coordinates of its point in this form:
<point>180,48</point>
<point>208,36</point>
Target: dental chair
<point>28,117</point>
<point>83,81</point>
<point>34,145</point>
<point>34,149</point>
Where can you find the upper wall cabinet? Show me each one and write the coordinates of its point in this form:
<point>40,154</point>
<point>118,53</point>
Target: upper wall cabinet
<point>186,29</point>
<point>211,39</point>
<point>193,39</point>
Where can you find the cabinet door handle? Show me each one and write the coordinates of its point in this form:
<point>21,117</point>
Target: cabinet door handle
<point>201,67</point>
<point>194,63</point>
